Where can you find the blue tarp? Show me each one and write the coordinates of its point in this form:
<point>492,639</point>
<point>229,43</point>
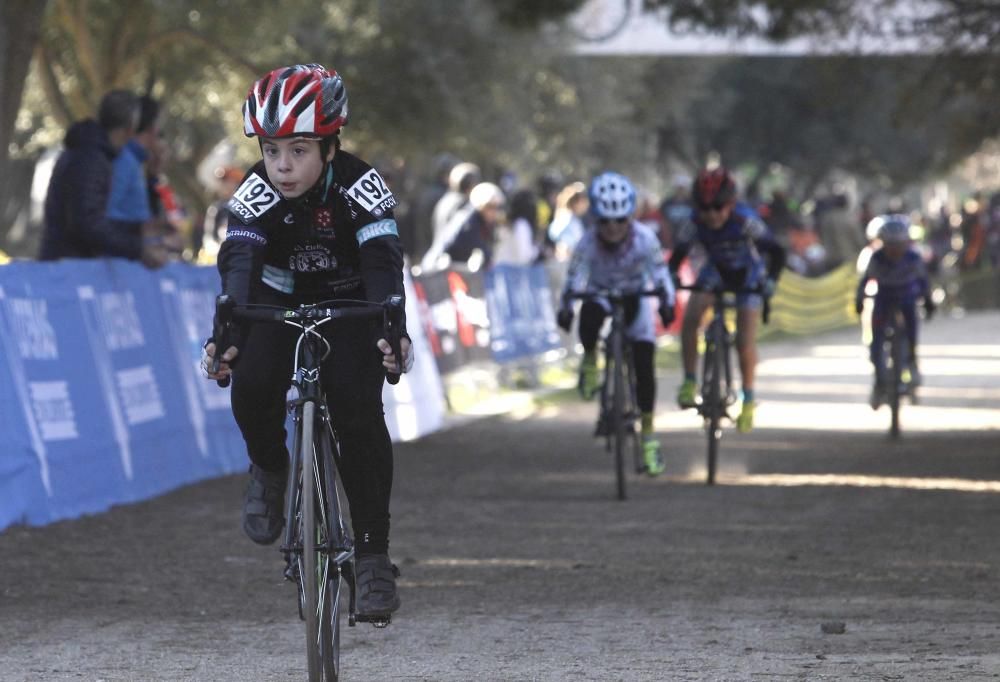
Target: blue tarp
<point>522,319</point>
<point>101,398</point>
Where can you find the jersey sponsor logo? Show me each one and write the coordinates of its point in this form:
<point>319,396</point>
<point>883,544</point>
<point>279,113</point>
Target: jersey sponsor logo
<point>323,221</point>
<point>379,229</point>
<point>371,192</point>
<point>242,234</point>
<point>253,198</point>
<point>311,259</point>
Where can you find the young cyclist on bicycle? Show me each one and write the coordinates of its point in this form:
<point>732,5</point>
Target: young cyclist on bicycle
<point>625,254</point>
<point>311,222</point>
<point>742,253</point>
<point>899,271</point>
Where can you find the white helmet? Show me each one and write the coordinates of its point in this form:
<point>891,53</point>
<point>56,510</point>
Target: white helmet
<point>612,196</point>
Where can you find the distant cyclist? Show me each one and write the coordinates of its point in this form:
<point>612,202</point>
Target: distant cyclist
<point>741,254</point>
<point>625,254</point>
<point>898,269</point>
<point>308,223</point>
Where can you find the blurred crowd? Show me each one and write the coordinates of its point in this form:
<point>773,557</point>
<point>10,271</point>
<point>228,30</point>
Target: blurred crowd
<point>109,196</point>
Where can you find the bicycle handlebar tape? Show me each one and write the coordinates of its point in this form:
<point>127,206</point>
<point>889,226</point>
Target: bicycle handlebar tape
<point>224,305</point>
<point>394,323</point>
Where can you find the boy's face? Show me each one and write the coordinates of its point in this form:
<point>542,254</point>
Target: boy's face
<point>895,250</point>
<point>714,216</point>
<point>293,164</point>
<point>613,230</point>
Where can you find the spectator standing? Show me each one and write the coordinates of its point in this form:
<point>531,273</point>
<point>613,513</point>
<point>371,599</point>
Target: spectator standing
<point>129,199</point>
<point>462,178</point>
<point>516,237</point>
<point>427,199</point>
<point>567,226</point>
<point>473,244</point>
<point>77,224</point>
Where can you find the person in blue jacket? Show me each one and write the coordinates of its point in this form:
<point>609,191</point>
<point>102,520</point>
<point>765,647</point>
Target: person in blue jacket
<point>77,224</point>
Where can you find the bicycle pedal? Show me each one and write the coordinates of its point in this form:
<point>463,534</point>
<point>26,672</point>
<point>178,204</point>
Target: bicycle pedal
<point>378,621</point>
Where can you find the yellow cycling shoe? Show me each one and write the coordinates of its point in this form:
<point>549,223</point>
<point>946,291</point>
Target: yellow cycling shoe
<point>744,422</point>
<point>687,393</point>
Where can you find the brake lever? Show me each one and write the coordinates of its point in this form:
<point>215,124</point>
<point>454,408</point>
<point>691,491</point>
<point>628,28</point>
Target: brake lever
<point>392,319</point>
<point>224,305</point>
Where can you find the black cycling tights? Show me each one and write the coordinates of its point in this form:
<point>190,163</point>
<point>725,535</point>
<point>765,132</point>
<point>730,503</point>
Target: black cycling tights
<point>592,317</point>
<point>352,377</point>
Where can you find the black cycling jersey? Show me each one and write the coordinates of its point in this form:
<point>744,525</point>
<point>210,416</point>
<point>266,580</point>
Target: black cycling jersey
<point>339,239</point>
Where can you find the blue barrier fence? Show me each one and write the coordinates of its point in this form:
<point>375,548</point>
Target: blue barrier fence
<point>101,401</point>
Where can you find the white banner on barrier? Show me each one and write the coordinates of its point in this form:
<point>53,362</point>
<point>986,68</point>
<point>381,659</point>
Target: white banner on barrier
<point>416,405</point>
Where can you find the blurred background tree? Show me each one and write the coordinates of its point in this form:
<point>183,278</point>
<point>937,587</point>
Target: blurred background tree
<point>497,82</point>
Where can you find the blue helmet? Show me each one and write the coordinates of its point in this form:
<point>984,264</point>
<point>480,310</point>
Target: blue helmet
<point>612,196</point>
<point>891,228</point>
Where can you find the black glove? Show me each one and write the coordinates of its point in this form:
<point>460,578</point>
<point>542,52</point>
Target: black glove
<point>564,318</point>
<point>675,277</point>
<point>859,305</point>
<point>929,307</point>
<point>667,314</point>
<point>769,286</point>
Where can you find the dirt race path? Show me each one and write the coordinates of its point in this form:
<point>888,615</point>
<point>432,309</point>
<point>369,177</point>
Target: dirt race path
<point>518,564</point>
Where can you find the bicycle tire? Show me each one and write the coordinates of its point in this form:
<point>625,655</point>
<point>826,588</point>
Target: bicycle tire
<point>895,378</point>
<point>329,634</point>
<point>712,405</point>
<point>308,568</point>
<point>618,412</point>
<point>635,435</point>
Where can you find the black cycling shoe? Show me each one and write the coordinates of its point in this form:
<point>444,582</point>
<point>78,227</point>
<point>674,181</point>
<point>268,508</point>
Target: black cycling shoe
<point>376,581</point>
<point>264,505</point>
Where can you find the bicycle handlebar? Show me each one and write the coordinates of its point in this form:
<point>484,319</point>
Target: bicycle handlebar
<point>391,312</point>
<point>613,294</point>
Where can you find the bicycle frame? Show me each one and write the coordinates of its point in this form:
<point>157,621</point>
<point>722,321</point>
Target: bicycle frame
<point>619,408</point>
<point>717,379</point>
<point>896,357</point>
<point>620,399</point>
<point>717,394</point>
<point>317,544</point>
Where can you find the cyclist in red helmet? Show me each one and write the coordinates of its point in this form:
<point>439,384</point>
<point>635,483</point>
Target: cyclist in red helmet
<point>742,254</point>
<point>312,222</point>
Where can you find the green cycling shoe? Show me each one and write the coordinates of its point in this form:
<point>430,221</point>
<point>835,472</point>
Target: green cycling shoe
<point>687,394</point>
<point>651,455</point>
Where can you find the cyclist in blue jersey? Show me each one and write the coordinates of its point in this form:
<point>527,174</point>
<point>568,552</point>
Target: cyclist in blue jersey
<point>620,253</point>
<point>742,254</point>
<point>901,275</point>
<point>311,222</point>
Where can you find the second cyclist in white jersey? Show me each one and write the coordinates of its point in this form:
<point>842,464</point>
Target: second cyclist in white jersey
<point>620,253</point>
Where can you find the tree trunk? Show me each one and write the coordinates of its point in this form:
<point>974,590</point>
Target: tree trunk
<point>20,27</point>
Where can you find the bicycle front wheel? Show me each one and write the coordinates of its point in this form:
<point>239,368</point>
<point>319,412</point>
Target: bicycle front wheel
<point>895,380</point>
<point>712,406</point>
<point>312,567</point>
<point>618,422</point>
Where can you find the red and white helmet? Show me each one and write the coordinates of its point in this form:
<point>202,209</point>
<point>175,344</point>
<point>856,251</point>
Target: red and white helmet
<point>304,99</point>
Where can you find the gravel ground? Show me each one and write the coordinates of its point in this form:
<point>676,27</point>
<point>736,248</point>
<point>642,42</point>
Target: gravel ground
<point>826,552</point>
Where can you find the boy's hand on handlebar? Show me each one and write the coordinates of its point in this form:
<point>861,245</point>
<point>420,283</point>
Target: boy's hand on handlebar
<point>225,370</point>
<point>389,360</point>
<point>667,314</point>
<point>564,318</point>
